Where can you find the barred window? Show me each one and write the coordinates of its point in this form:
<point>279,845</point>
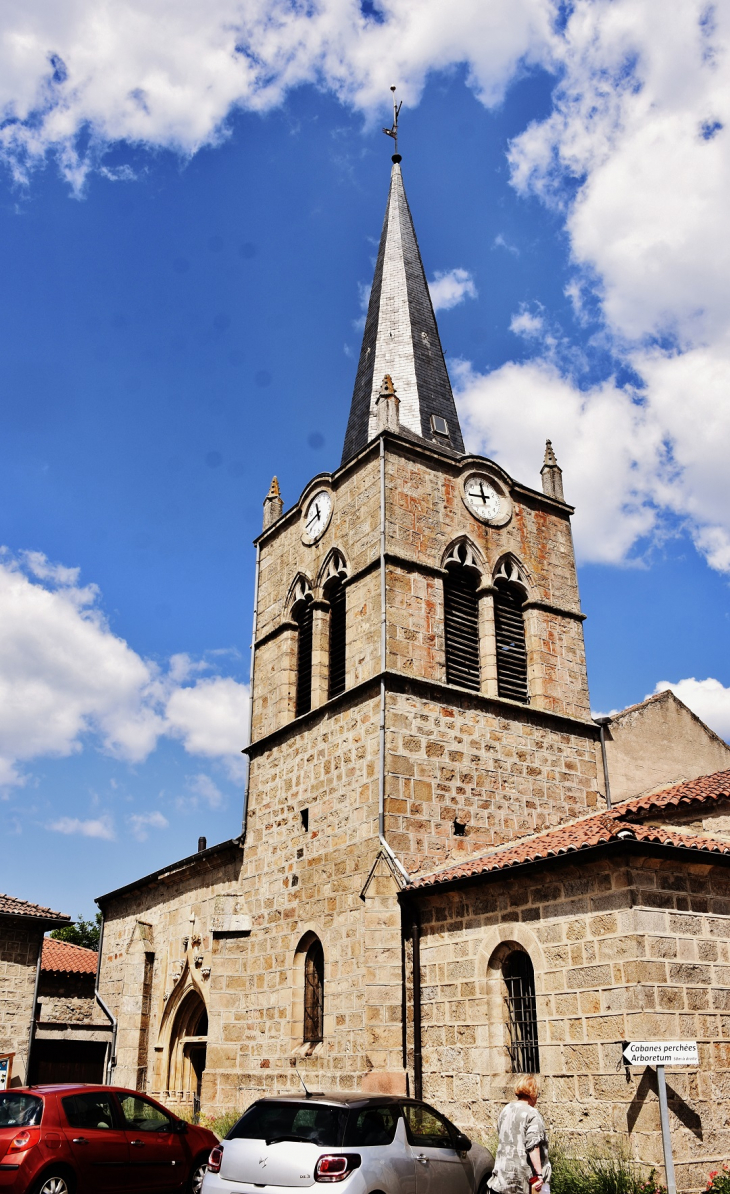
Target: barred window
<point>509,626</point>
<point>314,993</point>
<point>303,616</point>
<point>461,628</point>
<point>519,978</point>
<point>337,594</point>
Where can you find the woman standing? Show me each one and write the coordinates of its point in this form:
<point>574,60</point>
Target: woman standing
<point>522,1149</point>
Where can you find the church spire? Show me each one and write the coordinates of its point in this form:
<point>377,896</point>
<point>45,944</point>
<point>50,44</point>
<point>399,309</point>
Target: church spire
<point>401,339</point>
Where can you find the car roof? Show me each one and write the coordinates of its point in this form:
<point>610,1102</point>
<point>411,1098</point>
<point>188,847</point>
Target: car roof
<point>336,1099</point>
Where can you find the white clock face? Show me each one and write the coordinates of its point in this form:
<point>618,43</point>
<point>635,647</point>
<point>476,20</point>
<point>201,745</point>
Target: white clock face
<point>317,516</point>
<point>482,498</point>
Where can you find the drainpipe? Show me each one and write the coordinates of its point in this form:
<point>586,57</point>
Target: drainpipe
<point>111,1060</point>
<point>602,722</point>
<point>31,1034</point>
<point>250,690</point>
<point>417,1035</point>
<point>383,658</point>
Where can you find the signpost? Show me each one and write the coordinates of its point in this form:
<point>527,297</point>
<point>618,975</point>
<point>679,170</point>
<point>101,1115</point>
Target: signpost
<point>659,1054</point>
<point>6,1069</point>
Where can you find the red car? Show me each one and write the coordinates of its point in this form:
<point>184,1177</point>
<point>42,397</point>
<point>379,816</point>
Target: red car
<point>74,1139</point>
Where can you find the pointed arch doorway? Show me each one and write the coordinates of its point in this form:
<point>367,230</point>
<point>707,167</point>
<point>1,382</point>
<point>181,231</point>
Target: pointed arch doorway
<point>188,1048</point>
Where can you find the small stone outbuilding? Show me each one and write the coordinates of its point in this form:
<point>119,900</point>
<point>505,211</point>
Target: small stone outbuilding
<point>22,928</point>
<point>72,1034</point>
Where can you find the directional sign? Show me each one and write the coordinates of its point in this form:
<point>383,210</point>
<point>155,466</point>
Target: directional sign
<point>661,1053</point>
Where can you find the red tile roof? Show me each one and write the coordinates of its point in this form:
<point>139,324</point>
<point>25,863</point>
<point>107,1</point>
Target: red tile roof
<point>620,823</point>
<point>10,906</point>
<point>65,958</point>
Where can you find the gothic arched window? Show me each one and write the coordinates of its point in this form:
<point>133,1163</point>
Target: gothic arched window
<point>461,619</point>
<point>303,617</point>
<point>509,628</point>
<point>314,993</point>
<point>337,594</point>
<point>519,979</point>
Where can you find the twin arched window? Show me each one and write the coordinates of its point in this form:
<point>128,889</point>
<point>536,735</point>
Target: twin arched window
<point>461,625</point>
<point>332,581</point>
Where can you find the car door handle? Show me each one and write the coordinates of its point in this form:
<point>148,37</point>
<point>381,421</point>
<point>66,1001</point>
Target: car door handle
<point>79,1140</point>
<point>420,1157</point>
<point>137,1143</point>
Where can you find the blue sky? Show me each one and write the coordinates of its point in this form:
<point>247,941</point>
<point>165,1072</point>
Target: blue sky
<point>181,321</point>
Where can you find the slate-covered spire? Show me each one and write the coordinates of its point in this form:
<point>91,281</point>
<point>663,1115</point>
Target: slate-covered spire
<point>401,339</point>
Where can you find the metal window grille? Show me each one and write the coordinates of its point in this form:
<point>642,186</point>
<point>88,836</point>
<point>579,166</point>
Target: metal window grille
<point>304,660</point>
<point>338,638</point>
<point>509,626</point>
<point>314,993</point>
<point>461,627</point>
<point>519,978</point>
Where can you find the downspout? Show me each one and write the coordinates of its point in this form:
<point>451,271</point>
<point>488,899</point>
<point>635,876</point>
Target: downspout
<point>383,659</point>
<point>250,690</point>
<point>111,1060</point>
<point>417,1055</point>
<point>31,1034</point>
<point>602,722</point>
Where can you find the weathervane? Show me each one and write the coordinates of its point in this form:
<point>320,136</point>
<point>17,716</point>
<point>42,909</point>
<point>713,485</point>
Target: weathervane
<point>393,131</point>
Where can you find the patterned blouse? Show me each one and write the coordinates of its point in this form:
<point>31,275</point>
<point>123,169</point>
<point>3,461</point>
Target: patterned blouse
<point>521,1128</point>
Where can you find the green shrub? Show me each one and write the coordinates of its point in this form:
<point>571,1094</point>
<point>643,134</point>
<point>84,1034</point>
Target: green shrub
<point>719,1181</point>
<point>221,1124</point>
<point>606,1171</point>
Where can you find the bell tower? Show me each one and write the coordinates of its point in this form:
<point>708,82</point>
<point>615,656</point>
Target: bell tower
<point>419,696</point>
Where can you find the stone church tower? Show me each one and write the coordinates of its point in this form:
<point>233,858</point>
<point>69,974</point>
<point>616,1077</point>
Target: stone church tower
<point>419,693</point>
<point>431,891</point>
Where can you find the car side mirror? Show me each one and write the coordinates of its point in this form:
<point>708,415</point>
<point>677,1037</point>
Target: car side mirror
<point>181,1127</point>
<point>462,1143</point>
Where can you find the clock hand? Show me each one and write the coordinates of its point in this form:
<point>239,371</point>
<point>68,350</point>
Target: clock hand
<point>316,517</point>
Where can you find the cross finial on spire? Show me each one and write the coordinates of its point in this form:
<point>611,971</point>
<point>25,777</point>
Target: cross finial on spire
<point>393,130</point>
<point>552,474</point>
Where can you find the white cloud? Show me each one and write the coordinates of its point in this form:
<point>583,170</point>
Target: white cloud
<point>451,287</point>
<point>147,72</point>
<point>99,827</point>
<point>526,323</point>
<point>65,677</point>
<point>202,788</point>
<point>709,699</point>
<point>141,823</point>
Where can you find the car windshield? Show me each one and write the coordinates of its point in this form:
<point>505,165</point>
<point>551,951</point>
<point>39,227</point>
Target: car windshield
<point>19,1110</point>
<point>313,1122</point>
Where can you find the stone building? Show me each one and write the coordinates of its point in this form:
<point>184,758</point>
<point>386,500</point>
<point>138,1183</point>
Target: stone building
<point>22,927</point>
<point>420,712</point>
<point>72,1036</point>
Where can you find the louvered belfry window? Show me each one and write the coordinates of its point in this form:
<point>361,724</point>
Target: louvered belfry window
<point>509,626</point>
<point>461,627</point>
<point>519,978</point>
<point>337,594</point>
<point>304,658</point>
<point>314,993</point>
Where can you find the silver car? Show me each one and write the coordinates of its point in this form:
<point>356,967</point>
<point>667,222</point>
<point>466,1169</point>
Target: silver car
<point>370,1144</point>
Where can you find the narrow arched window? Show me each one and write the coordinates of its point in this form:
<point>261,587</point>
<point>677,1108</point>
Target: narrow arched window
<point>509,627</point>
<point>519,979</point>
<point>461,627</point>
<point>314,993</point>
<point>337,594</point>
<point>303,616</point>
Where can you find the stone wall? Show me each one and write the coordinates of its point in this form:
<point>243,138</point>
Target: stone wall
<point>20,943</point>
<point>69,999</point>
<point>627,949</point>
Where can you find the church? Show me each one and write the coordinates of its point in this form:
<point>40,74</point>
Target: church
<point>433,889</point>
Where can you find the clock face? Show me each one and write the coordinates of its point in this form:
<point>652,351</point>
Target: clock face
<point>482,498</point>
<point>317,516</point>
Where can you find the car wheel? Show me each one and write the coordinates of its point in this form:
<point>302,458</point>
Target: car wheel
<point>54,1183</point>
<point>197,1175</point>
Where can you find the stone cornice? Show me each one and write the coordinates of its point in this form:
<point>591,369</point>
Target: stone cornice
<point>445,694</point>
<point>561,610</point>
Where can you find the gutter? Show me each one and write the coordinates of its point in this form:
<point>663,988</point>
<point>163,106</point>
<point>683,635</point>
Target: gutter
<point>111,1057</point>
<point>602,722</point>
<point>383,644</point>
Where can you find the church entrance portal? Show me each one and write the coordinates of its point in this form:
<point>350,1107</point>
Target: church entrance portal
<point>188,1044</point>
